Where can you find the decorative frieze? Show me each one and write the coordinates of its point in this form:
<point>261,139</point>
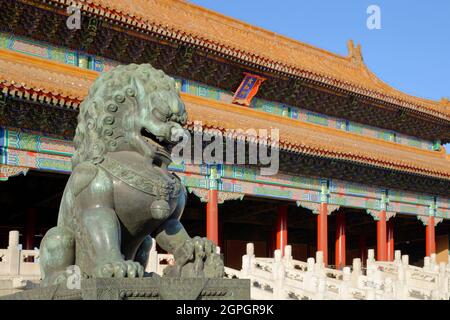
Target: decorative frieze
<point>426,219</point>
<point>332,208</point>
<point>30,150</point>
<point>390,214</point>
<point>203,195</point>
<point>226,196</point>
<point>315,207</point>
<point>376,214</point>
<point>7,171</point>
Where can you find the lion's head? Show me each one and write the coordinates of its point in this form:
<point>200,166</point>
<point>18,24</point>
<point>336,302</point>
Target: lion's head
<point>124,105</point>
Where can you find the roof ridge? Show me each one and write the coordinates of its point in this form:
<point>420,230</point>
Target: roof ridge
<point>191,23</point>
<point>261,29</point>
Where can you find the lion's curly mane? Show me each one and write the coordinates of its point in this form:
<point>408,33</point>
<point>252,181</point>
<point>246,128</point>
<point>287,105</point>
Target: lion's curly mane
<point>107,112</point>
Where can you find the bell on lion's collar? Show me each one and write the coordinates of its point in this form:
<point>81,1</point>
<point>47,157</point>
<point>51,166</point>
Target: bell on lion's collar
<point>160,209</point>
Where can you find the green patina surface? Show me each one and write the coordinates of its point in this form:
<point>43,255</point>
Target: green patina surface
<point>119,181</point>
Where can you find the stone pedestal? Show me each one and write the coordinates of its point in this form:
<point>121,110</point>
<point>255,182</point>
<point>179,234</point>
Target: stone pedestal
<point>151,288</point>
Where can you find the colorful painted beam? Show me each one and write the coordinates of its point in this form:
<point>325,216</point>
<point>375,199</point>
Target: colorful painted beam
<point>20,151</point>
<point>67,56</point>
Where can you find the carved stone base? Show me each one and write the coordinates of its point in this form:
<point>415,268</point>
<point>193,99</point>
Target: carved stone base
<point>151,288</point>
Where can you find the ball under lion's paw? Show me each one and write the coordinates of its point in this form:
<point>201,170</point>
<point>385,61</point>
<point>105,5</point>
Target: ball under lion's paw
<point>214,267</point>
<point>196,258</point>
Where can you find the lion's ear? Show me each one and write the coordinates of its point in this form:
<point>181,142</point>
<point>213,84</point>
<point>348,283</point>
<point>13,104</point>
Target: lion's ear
<point>143,87</point>
<point>139,86</point>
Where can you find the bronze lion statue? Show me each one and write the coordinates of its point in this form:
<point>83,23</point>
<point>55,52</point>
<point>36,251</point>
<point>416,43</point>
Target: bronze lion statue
<point>120,190</point>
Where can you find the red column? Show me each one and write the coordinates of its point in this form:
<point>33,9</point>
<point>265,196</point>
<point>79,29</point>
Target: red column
<point>282,232</point>
<point>212,217</point>
<point>340,253</point>
<point>430,240</point>
<point>381,237</point>
<point>362,249</point>
<point>322,231</point>
<point>390,240</point>
<point>30,228</point>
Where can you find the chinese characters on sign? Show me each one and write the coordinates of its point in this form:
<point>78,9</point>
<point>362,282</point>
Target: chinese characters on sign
<point>248,89</point>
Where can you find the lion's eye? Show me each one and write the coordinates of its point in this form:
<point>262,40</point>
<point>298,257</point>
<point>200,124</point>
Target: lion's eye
<point>158,114</point>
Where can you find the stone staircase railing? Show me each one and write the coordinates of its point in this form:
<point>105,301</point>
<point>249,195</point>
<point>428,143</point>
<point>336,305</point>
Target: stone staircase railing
<point>286,278</point>
<point>279,277</point>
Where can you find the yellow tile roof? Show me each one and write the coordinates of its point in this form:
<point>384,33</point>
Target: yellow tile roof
<point>52,82</point>
<point>187,22</point>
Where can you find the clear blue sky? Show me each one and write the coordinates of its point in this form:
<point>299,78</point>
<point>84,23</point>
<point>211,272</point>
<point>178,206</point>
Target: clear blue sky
<point>411,51</point>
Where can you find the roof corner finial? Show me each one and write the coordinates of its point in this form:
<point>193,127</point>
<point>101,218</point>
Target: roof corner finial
<point>351,47</point>
<point>445,102</point>
<point>354,53</point>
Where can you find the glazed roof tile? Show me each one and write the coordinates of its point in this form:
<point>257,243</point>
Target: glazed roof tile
<point>193,24</point>
<point>55,83</point>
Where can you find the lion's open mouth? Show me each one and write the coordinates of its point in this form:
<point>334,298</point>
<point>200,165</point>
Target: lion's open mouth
<point>160,142</point>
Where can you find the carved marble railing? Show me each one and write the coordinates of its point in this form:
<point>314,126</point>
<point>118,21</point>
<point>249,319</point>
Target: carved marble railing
<point>279,277</point>
<point>286,278</point>
<point>431,282</point>
<point>19,269</point>
<point>157,262</point>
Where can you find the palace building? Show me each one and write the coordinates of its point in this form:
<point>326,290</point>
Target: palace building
<point>361,164</point>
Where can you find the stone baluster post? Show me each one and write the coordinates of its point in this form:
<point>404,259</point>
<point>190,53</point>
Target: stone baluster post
<point>319,274</point>
<point>407,274</point>
<point>426,264</point>
<point>405,260</point>
<point>278,275</point>
<point>310,265</point>
<point>344,290</point>
<point>320,265</point>
<point>248,260</point>
<point>357,272</point>
<point>433,264</point>
<point>399,284</point>
<point>14,253</point>
<point>309,274</point>
<point>370,260</point>
<point>287,258</point>
<point>443,282</point>
<point>398,257</point>
<point>152,264</point>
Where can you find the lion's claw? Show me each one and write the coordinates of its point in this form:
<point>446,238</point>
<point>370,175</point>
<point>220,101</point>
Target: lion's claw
<point>120,269</point>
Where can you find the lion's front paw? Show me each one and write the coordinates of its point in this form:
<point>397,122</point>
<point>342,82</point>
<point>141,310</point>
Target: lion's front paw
<point>214,267</point>
<point>196,258</point>
<point>120,269</point>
